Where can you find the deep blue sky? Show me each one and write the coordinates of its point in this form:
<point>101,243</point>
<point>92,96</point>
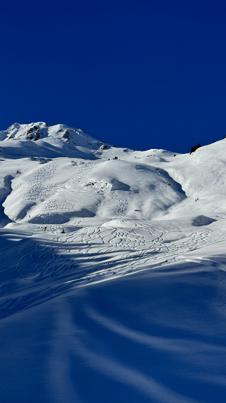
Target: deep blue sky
<point>139,73</point>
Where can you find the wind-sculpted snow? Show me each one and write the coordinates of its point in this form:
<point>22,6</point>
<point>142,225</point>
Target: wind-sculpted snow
<point>154,337</point>
<point>76,213</point>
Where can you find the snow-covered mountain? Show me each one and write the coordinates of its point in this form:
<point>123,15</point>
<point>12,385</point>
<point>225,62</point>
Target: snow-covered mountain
<point>41,140</point>
<point>75,212</point>
<point>59,183</point>
<point>57,175</point>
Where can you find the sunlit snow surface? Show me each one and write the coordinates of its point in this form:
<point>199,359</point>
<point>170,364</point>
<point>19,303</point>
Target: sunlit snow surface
<point>112,274</point>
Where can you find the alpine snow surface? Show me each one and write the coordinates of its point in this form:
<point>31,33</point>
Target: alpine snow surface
<point>112,273</point>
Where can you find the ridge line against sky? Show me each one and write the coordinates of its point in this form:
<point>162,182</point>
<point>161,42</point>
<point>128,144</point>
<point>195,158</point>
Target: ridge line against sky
<point>35,125</point>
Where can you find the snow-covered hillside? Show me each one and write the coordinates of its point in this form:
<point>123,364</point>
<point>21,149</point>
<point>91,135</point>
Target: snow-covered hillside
<point>75,212</point>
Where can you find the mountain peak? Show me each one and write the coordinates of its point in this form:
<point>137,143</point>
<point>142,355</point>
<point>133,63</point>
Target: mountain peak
<point>41,130</point>
<point>40,138</point>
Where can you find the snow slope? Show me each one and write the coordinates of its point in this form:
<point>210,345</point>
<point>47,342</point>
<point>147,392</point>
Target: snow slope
<point>74,213</point>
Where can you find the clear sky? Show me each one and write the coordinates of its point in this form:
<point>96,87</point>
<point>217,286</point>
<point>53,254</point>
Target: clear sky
<point>144,74</point>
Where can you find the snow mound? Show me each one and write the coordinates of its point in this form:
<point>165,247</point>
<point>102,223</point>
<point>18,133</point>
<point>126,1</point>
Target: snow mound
<point>63,190</point>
